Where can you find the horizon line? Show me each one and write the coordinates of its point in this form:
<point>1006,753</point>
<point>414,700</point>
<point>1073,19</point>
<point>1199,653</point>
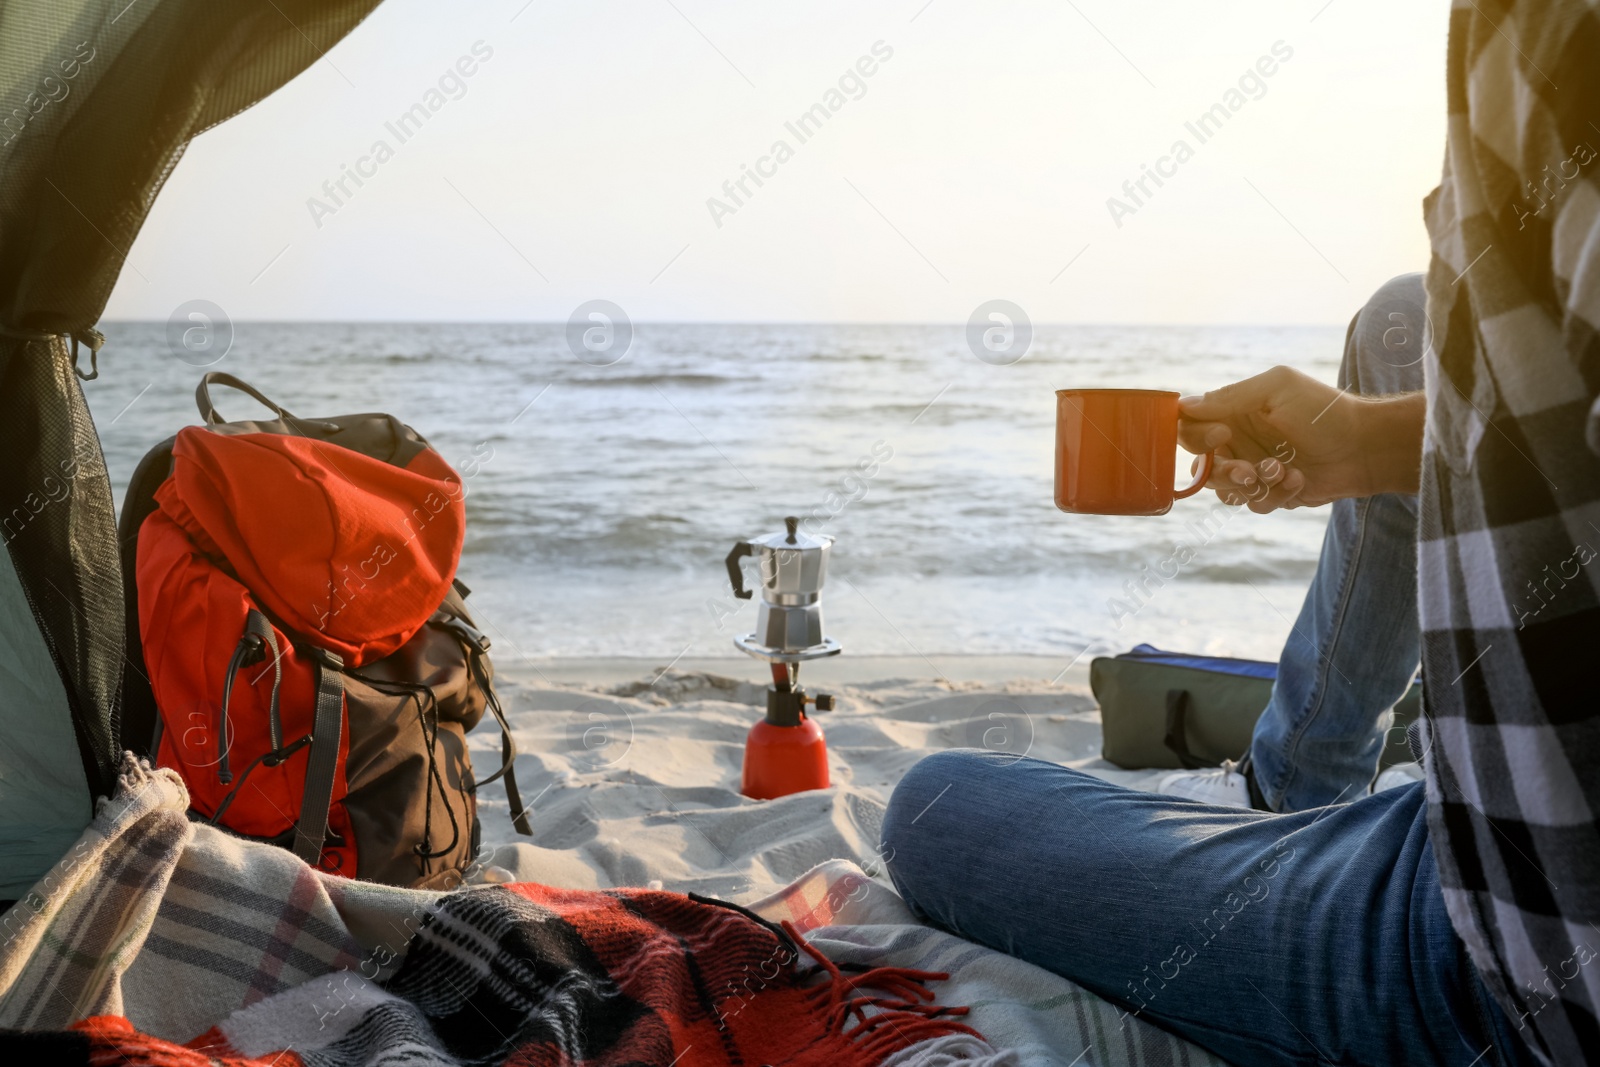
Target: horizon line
<point>733,322</point>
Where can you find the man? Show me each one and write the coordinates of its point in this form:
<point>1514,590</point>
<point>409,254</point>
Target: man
<point>1446,922</point>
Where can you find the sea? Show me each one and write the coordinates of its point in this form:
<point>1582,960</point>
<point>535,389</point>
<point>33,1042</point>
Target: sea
<point>602,497</point>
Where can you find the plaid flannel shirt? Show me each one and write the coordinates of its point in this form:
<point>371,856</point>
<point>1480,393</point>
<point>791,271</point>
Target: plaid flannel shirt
<point>1509,538</point>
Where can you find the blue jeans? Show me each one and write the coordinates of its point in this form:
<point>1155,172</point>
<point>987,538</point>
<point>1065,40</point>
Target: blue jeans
<point>1311,938</point>
<point>1354,649</point>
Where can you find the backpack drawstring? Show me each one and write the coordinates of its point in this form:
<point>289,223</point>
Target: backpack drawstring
<point>424,850</point>
<point>272,759</point>
<point>250,650</point>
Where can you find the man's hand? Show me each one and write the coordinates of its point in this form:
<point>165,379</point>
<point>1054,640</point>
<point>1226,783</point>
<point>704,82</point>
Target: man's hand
<point>1285,440</point>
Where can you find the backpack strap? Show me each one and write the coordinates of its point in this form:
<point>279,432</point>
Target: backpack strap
<point>508,755</point>
<point>322,765</point>
<point>477,646</point>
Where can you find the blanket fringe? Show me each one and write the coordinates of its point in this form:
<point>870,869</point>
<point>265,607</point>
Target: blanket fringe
<point>905,1017</point>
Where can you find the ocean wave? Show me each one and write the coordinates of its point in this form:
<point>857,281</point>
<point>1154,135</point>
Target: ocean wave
<point>686,379</point>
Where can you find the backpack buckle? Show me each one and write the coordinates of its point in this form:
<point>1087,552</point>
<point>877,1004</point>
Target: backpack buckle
<point>323,658</point>
<point>469,634</point>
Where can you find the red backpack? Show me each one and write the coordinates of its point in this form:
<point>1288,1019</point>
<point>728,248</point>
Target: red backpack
<point>312,668</point>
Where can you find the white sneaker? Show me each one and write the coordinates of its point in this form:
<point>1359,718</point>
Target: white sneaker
<point>1398,775</point>
<point>1223,786</point>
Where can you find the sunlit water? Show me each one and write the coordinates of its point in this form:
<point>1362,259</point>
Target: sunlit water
<point>600,519</point>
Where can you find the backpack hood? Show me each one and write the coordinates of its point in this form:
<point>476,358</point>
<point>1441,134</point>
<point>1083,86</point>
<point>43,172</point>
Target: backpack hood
<point>345,551</point>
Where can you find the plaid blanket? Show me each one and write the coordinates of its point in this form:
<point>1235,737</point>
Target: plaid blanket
<point>178,925</point>
<point>493,974</point>
<point>544,977</point>
<point>1510,512</point>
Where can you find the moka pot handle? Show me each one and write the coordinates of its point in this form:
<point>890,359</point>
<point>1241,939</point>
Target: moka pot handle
<point>735,572</point>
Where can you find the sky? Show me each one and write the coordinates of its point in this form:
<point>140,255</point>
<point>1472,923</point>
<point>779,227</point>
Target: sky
<point>958,153</point>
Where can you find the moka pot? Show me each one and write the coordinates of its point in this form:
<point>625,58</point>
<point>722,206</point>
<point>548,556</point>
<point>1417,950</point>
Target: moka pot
<point>792,567</point>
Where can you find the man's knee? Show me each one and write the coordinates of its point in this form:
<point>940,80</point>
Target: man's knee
<point>928,781</point>
<point>1388,338</point>
<point>964,798</point>
<point>928,805</point>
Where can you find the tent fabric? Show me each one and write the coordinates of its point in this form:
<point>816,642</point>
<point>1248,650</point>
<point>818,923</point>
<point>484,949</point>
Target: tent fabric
<point>97,100</point>
<point>39,764</point>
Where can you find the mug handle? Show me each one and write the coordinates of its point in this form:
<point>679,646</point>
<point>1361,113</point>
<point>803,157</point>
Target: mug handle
<point>1200,479</point>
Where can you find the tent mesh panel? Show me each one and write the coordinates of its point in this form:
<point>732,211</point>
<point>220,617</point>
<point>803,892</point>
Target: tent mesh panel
<point>56,516</point>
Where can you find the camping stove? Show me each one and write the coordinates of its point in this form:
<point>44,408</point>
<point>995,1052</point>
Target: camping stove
<point>785,752</point>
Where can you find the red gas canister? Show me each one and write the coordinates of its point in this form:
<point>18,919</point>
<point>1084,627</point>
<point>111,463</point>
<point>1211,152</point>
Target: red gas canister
<point>779,760</point>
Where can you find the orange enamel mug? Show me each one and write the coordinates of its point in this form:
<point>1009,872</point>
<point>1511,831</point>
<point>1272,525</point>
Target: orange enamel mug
<point>1116,452</point>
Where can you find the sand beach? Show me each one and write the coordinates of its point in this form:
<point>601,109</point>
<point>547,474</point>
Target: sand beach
<point>631,770</point>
